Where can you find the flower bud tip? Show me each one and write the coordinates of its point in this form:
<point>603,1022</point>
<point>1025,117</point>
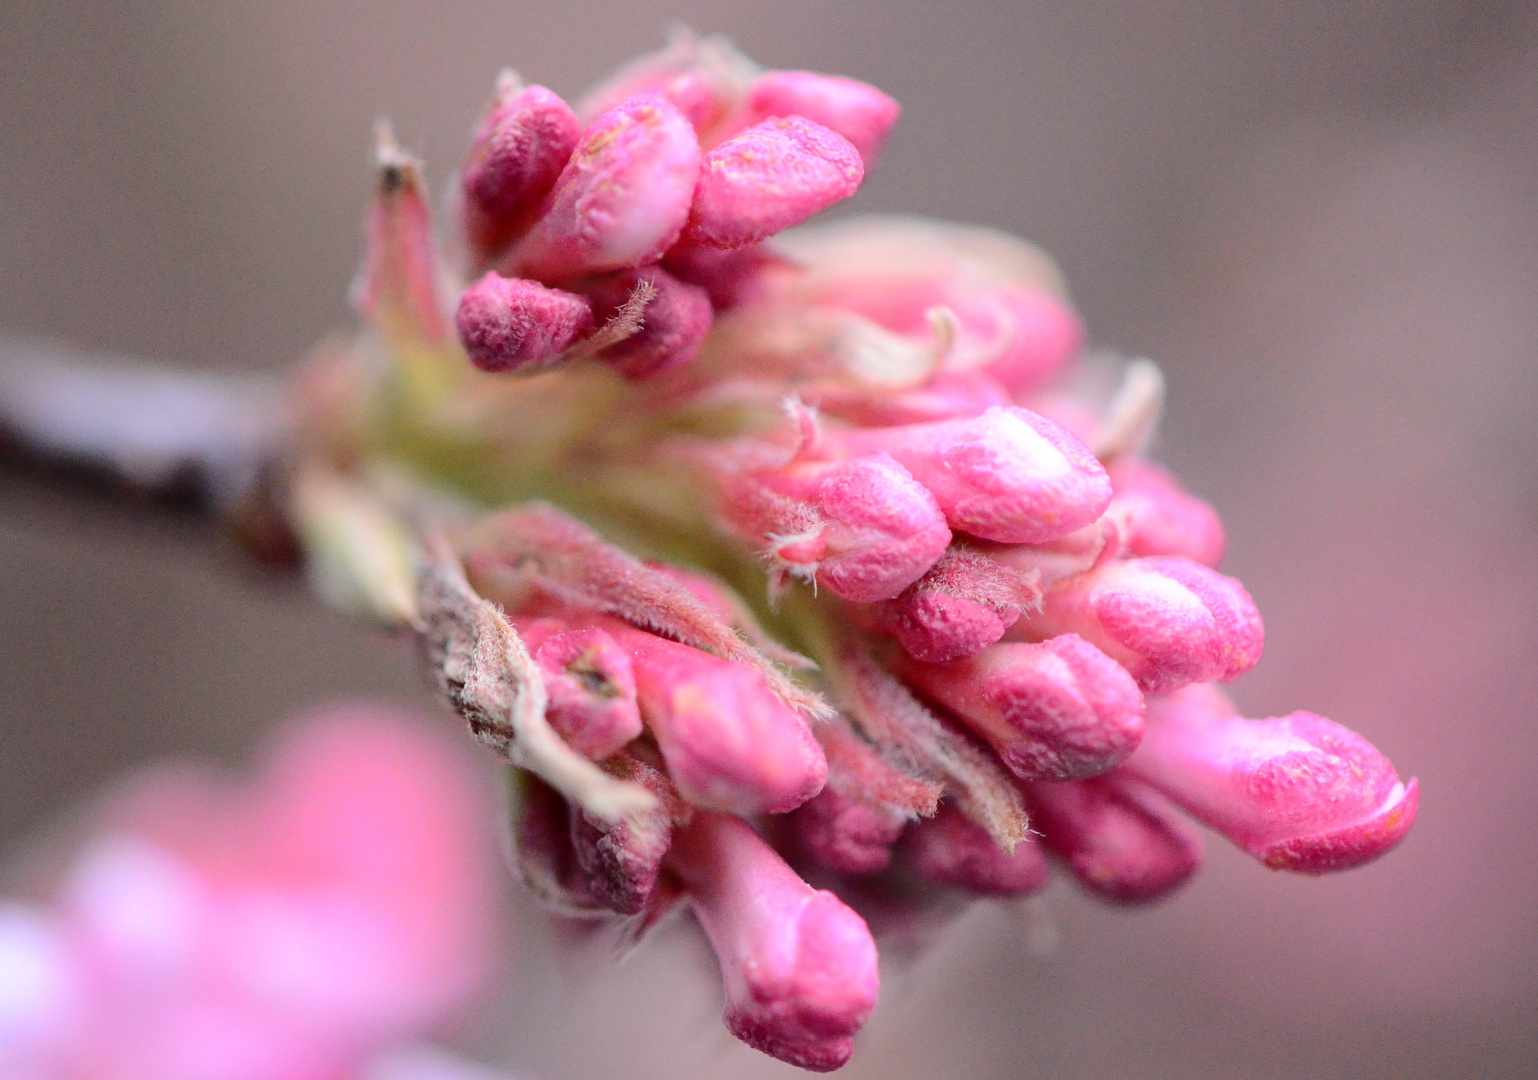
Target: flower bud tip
<point>799,966</point>
<point>508,324</point>
<point>847,834</point>
<point>1298,792</point>
<point>770,177</point>
<point>1118,838</point>
<point>949,849</point>
<point>855,110</point>
<point>621,200</point>
<point>1058,710</point>
<point>519,149</point>
<point>1008,475</point>
<point>1168,620</point>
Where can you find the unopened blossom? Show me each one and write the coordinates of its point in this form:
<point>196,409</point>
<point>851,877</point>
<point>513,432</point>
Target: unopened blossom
<point>294,925</point>
<point>518,151</point>
<point>1115,835</point>
<point>677,318</point>
<point>798,964</point>
<point>1057,710</point>
<point>774,175</point>
<point>622,198</point>
<point>759,548</point>
<point>855,110</point>
<point>509,323</point>
<point>963,603</point>
<point>1170,621</point>
<point>1298,792</point>
<point>951,849</point>
<point>590,683</point>
<point>862,527</point>
<point>851,825</point>
<point>1157,517</point>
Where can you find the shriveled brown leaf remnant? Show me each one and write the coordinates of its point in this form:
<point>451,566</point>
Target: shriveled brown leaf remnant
<point>484,671</point>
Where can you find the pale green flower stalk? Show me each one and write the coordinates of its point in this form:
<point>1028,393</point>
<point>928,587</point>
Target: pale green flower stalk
<point>761,555</point>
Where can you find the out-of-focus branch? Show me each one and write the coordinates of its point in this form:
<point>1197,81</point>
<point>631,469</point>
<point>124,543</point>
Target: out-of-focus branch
<point>148,427</point>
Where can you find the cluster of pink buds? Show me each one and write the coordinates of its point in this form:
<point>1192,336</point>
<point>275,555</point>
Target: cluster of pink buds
<point>656,189</point>
<point>991,630</point>
<point>308,924</point>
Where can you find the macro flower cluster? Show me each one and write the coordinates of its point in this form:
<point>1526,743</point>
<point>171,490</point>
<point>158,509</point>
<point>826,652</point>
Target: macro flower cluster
<point>764,556</point>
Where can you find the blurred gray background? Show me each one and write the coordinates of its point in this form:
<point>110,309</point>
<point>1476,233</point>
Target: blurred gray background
<point>1322,218</point>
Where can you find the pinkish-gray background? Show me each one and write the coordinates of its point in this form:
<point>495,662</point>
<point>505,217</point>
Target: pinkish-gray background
<point>1322,217</point>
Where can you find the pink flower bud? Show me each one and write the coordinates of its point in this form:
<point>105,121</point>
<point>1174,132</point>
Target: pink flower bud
<point>950,849</point>
<point>1159,517</point>
<point>856,110</point>
<point>520,147</point>
<point>939,627</point>
<point>1117,837</point>
<point>1298,792</point>
<point>851,825</point>
<point>509,324</point>
<point>1007,475</point>
<point>729,742</point>
<point>799,966</point>
<point>673,325</point>
<point>769,178</point>
<point>1058,710</point>
<point>622,199</point>
<point>1169,621</point>
<point>963,604</point>
<point>862,528</point>
<point>590,685</point>
<point>622,860</point>
<point>694,94</point>
<point>847,834</point>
